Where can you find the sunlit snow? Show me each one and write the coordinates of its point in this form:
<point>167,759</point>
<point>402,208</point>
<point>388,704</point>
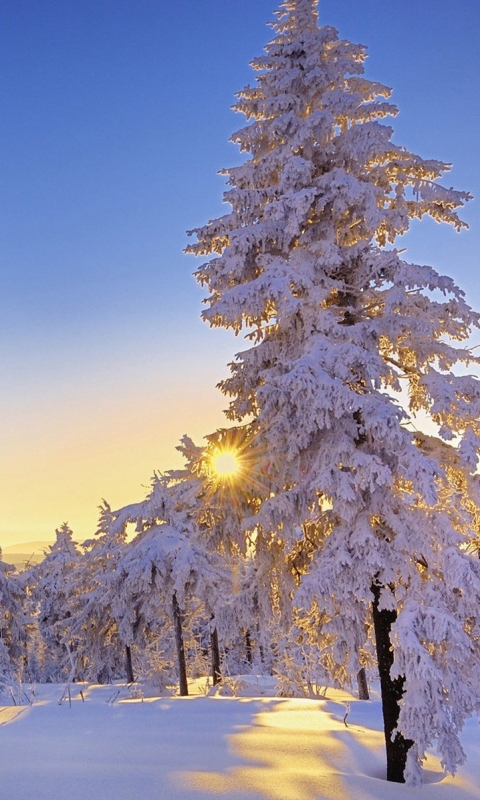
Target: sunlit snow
<point>115,744</point>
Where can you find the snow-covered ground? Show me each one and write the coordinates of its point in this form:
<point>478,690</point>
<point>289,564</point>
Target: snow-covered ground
<point>111,746</point>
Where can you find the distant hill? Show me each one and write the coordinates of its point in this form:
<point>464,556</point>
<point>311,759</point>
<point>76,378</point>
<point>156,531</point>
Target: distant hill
<point>28,547</point>
<point>25,553</point>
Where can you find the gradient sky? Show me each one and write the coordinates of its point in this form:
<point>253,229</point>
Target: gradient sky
<point>115,120</point>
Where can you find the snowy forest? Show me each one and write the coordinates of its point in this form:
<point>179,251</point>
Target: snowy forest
<point>319,537</point>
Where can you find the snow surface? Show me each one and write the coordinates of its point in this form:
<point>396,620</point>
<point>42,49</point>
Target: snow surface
<point>115,746</point>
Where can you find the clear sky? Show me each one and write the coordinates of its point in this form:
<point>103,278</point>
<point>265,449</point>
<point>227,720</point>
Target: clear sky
<point>115,120</point>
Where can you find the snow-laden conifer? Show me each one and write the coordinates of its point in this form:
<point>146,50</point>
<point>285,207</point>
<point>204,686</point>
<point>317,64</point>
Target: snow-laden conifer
<point>53,589</point>
<point>253,585</point>
<point>13,627</point>
<point>100,654</point>
<point>163,578</point>
<point>340,324</point>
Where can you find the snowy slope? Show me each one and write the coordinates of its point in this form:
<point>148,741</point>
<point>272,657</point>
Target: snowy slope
<point>114,747</point>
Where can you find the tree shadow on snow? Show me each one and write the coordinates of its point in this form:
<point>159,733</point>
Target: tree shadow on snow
<point>285,753</point>
<point>302,750</point>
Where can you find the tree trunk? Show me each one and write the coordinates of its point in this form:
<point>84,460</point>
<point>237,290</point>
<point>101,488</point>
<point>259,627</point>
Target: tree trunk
<point>215,654</point>
<point>392,690</point>
<point>363,693</point>
<point>182,668</point>
<point>129,666</point>
<point>248,646</point>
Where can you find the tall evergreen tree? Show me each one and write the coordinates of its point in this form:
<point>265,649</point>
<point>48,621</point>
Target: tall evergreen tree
<point>340,324</point>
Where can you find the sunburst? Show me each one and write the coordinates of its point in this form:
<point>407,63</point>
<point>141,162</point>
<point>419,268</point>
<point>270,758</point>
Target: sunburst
<point>225,464</point>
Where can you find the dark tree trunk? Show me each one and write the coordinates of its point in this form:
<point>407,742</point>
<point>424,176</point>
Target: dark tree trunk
<point>248,646</point>
<point>392,690</point>
<point>182,667</point>
<point>129,666</point>
<point>363,693</point>
<point>261,651</point>
<point>215,654</point>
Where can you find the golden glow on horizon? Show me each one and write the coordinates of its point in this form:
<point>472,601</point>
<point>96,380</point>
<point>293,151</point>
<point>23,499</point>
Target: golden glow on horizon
<point>72,454</point>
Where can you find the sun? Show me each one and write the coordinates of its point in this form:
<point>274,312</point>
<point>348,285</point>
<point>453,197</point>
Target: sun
<point>225,464</point>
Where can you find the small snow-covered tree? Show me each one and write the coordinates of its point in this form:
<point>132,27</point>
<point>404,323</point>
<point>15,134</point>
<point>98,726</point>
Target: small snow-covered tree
<point>256,584</point>
<point>13,625</point>
<point>170,570</point>
<point>150,589</point>
<point>53,590</point>
<point>100,654</point>
<point>342,327</point>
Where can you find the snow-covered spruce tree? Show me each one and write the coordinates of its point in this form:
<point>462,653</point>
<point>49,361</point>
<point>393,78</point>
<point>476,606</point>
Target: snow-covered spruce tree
<point>13,626</point>
<point>100,655</point>
<point>340,324</point>
<point>53,590</point>
<point>258,582</point>
<point>189,562</point>
<point>192,575</point>
<point>165,578</point>
<point>151,589</point>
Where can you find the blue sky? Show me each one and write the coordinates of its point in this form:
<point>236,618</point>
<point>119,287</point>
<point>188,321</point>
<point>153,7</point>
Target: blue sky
<point>115,120</point>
